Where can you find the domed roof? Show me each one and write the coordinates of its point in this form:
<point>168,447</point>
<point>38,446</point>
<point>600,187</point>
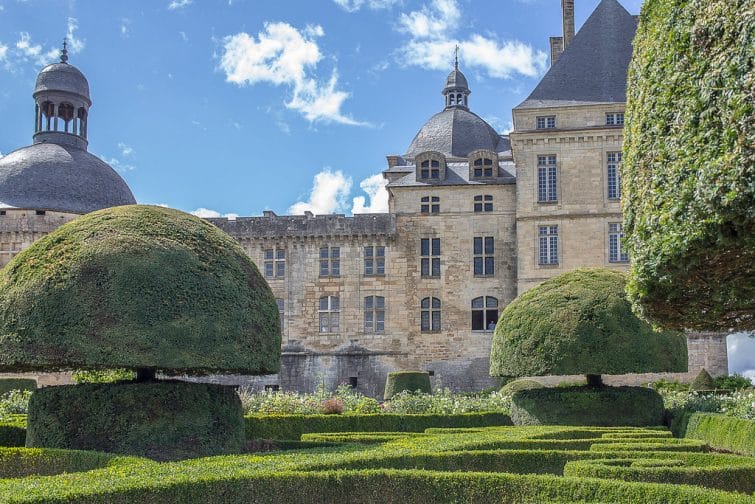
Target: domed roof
<point>455,132</point>
<point>456,79</point>
<point>62,77</point>
<point>49,176</point>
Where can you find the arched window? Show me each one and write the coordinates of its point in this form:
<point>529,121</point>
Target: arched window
<point>450,99</point>
<point>66,113</point>
<point>430,314</point>
<point>48,113</point>
<point>374,314</point>
<point>484,313</point>
<point>430,166</point>
<point>330,313</point>
<point>458,99</point>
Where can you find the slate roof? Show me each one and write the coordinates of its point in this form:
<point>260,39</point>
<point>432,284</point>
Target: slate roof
<point>63,178</point>
<point>62,77</point>
<point>456,132</point>
<point>593,68</point>
<point>458,174</point>
<point>279,226</point>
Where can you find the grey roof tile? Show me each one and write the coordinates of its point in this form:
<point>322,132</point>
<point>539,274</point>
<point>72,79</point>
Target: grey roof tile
<point>279,226</point>
<point>458,174</point>
<point>455,132</point>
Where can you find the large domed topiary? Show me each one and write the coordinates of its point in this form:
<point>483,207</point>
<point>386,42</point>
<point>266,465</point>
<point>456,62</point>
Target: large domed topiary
<point>143,288</point>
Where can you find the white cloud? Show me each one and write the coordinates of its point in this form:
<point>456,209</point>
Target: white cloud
<point>118,165</point>
<point>183,36</point>
<point>431,45</point>
<point>207,213</point>
<point>374,186</point>
<point>283,55</point>
<point>75,44</point>
<point>179,4</point>
<point>329,192</point>
<point>125,26</point>
<point>355,5</point>
<point>126,150</point>
<point>3,51</point>
<point>741,350</point>
<point>25,46</point>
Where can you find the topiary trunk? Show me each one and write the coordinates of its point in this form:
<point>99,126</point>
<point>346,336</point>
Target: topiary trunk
<point>594,380</point>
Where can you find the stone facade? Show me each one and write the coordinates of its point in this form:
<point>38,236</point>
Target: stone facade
<point>20,228</point>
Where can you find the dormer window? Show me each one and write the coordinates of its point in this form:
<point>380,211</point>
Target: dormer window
<point>483,164</point>
<point>430,169</point>
<point>431,166</point>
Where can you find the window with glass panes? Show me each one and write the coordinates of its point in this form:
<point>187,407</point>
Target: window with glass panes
<point>614,118</point>
<point>429,169</point>
<point>374,314</point>
<point>484,313</point>
<point>548,244</point>
<point>275,263</point>
<point>482,167</point>
<point>484,255</point>
<point>429,257</point>
<point>483,203</point>
<point>616,251</point>
<point>544,122</point>
<point>330,313</point>
<point>330,261</point>
<point>546,179</point>
<point>429,204</point>
<point>613,175</point>
<point>430,314</point>
<point>374,260</point>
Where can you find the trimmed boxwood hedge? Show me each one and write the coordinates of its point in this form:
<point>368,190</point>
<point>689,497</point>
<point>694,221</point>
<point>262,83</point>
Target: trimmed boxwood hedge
<point>8,384</point>
<point>13,431</point>
<point>162,420</point>
<point>293,426</point>
<point>21,462</point>
<point>607,406</point>
<point>406,381</point>
<point>722,432</point>
<point>689,152</point>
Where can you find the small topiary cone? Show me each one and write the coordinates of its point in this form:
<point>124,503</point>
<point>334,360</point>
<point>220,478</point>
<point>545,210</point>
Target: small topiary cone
<point>703,382</point>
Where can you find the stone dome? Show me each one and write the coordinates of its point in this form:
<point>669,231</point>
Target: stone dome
<point>62,178</point>
<point>455,132</point>
<point>456,79</point>
<point>62,77</point>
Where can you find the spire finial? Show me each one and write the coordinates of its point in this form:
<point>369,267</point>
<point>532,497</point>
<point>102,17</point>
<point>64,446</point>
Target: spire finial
<point>456,57</point>
<point>64,52</point>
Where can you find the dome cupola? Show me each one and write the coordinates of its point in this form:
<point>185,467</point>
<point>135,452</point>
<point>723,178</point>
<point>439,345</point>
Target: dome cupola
<point>456,92</point>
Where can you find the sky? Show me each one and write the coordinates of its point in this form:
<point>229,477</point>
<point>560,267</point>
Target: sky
<point>232,107</point>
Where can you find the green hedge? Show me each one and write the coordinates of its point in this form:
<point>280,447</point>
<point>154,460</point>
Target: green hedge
<point>689,151</point>
<point>721,432</point>
<point>21,462</point>
<point>13,430</point>
<point>8,384</point>
<point>607,406</point>
<point>406,381</point>
<point>162,420</point>
<point>293,426</point>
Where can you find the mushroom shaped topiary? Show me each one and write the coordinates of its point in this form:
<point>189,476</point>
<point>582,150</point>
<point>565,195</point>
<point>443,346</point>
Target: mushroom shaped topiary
<point>143,288</point>
<point>406,381</point>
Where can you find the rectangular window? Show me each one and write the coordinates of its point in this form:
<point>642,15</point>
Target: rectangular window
<point>330,261</point>
<point>613,175</point>
<point>544,122</point>
<point>430,314</point>
<point>374,260</point>
<point>546,179</point>
<point>548,244</point>
<point>484,255</point>
<point>616,251</point>
<point>330,313</point>
<point>275,263</point>
<point>429,204</point>
<point>430,257</point>
<point>374,314</point>
<point>615,118</point>
<point>429,169</point>
<point>483,203</point>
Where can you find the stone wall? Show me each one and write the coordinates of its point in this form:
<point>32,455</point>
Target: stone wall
<point>20,228</point>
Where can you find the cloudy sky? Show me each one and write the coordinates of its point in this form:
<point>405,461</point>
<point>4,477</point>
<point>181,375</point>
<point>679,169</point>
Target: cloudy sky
<point>237,106</point>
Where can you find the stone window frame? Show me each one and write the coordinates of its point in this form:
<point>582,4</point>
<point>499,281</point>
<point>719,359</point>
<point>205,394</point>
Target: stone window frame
<point>329,314</point>
<point>374,314</point>
<point>374,260</point>
<point>274,262</point>
<point>548,240</point>
<point>545,122</point>
<point>547,179</point>
<point>330,261</point>
<point>429,253</point>
<point>429,205</point>
<point>617,253</point>
<point>434,169</point>
<point>615,118</point>
<point>483,203</point>
<point>430,314</point>
<point>483,256</point>
<point>483,165</point>
<point>613,175</point>
<point>482,306</point>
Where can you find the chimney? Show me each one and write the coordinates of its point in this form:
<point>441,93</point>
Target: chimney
<point>557,47</point>
<point>392,161</point>
<point>567,13</point>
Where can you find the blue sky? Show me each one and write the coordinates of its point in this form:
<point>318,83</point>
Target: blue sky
<point>236,106</point>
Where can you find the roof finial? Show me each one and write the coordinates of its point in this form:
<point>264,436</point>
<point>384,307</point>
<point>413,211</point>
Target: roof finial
<point>64,52</point>
<point>456,58</point>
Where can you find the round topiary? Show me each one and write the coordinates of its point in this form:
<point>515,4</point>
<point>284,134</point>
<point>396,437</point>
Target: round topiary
<point>517,385</point>
<point>605,406</point>
<point>163,420</point>
<point>703,382</point>
<point>409,381</point>
<point>137,287</point>
<point>580,322</point>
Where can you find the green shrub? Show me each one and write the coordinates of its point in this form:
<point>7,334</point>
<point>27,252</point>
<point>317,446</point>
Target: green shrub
<point>406,381</point>
<point>672,386</point>
<point>516,385</point>
<point>607,406</point>
<point>722,432</point>
<point>15,402</point>
<point>443,402</point>
<point>13,430</point>
<point>103,376</point>
<point>689,149</point>
<point>732,382</point>
<point>21,462</point>
<point>580,322</point>
<point>8,384</point>
<point>703,382</point>
<point>160,420</point>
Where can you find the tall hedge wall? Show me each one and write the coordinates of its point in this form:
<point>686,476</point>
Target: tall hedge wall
<point>689,164</point>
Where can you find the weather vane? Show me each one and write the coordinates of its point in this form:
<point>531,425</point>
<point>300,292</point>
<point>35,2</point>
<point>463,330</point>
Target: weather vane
<point>64,52</point>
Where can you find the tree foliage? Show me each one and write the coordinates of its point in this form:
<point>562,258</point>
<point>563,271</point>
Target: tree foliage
<point>689,164</point>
